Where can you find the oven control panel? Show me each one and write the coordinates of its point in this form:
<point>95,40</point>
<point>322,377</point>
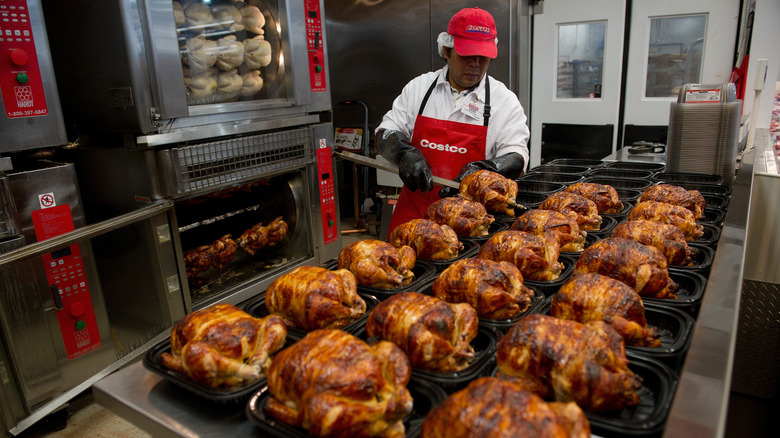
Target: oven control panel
<point>67,280</point>
<point>314,45</point>
<point>20,82</point>
<point>327,193</point>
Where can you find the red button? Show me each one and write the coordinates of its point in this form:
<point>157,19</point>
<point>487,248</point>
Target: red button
<point>19,57</point>
<point>77,309</point>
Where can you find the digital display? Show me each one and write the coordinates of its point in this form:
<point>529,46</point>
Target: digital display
<point>325,176</point>
<point>312,14</point>
<point>60,253</point>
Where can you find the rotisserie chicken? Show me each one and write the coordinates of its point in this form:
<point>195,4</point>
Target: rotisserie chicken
<point>642,267</point>
<point>496,192</point>
<point>466,218</point>
<point>555,224</point>
<point>261,236</point>
<point>496,408</point>
<point>603,195</point>
<point>428,239</point>
<point>198,260</point>
<point>311,297</point>
<point>494,289</point>
<point>435,334</point>
<point>566,361</point>
<point>595,297</point>
<point>535,256</point>
<point>667,238</point>
<point>378,264</point>
<point>223,346</point>
<point>224,251</point>
<point>680,217</point>
<point>575,207</point>
<point>676,195</point>
<point>332,384</point>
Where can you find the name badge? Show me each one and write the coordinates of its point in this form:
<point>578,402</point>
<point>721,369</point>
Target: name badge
<point>473,109</point>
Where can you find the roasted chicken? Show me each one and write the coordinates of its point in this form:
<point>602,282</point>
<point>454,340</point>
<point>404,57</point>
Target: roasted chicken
<point>428,239</point>
<point>535,256</point>
<point>261,236</point>
<point>198,260</point>
<point>224,251</point>
<point>378,264</point>
<point>332,384</point>
<point>496,408</point>
<point>466,218</point>
<point>223,346</point>
<point>676,195</point>
<point>494,289</point>
<point>595,297</point>
<point>566,361</point>
<point>603,195</point>
<point>575,207</point>
<point>642,267</point>
<point>435,334</point>
<point>311,297</point>
<point>680,217</point>
<point>496,192</point>
<point>667,238</point>
<point>555,224</point>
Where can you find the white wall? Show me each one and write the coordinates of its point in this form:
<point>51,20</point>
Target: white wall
<point>765,44</point>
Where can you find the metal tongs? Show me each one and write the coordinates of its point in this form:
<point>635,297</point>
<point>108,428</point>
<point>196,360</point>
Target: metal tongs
<point>389,167</point>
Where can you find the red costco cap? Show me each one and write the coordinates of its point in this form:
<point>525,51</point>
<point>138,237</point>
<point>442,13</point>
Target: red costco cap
<point>474,33</point>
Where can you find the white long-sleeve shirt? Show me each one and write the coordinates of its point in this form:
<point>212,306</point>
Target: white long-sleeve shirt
<point>507,127</point>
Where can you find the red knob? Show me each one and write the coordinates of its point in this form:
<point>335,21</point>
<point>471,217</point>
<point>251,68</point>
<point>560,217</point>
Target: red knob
<point>77,309</point>
<point>19,57</point>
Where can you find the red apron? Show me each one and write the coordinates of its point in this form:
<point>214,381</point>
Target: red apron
<point>447,146</point>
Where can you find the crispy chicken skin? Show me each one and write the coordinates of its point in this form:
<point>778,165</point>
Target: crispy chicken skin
<point>575,207</point>
<point>680,217</point>
<point>535,256</point>
<point>642,267</point>
<point>512,412</point>
<point>333,384</point>
<point>311,297</point>
<point>566,361</point>
<point>594,297</point>
<point>494,289</point>
<point>466,218</point>
<point>555,224</point>
<point>666,238</point>
<point>378,264</point>
<point>261,236</point>
<point>223,346</point>
<point>428,239</point>
<point>496,192</point>
<point>224,251</point>
<point>435,334</point>
<point>676,195</point>
<point>198,260</point>
<point>603,195</point>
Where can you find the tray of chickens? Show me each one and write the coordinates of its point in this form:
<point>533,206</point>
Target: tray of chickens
<point>687,177</point>
<point>542,176</point>
<point>550,287</point>
<point>470,249</point>
<point>208,336</point>
<point>425,396</point>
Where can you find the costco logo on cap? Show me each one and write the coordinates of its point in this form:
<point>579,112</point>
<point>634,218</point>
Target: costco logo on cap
<point>478,29</point>
<point>474,33</point>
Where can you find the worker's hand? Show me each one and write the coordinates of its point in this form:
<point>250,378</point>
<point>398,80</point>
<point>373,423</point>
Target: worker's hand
<point>414,170</point>
<point>510,166</point>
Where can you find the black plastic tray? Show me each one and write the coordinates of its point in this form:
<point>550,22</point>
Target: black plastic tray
<point>470,249</point>
<point>620,183</point>
<point>713,216</point>
<point>256,307</point>
<point>584,162</point>
<point>628,195</point>
<point>623,213</point>
<point>701,261</point>
<point>561,168</point>
<point>502,325</point>
<point>485,344</point>
<point>690,289</point>
<point>687,177</point>
<point>704,188</point>
<point>633,165</point>
<point>711,235</point>
<point>659,383</point>
<point>426,396</point>
<point>494,228</point>
<point>562,178</point>
<point>608,224</point>
<point>151,361</point>
<point>423,271</point>
<point>551,287</point>
<point>612,172</point>
<point>718,202</point>
<point>590,239</point>
<point>546,188</point>
<point>529,200</point>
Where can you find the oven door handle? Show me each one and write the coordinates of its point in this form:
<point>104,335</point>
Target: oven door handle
<point>55,295</point>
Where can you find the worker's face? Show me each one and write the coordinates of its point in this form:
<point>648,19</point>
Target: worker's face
<point>465,71</point>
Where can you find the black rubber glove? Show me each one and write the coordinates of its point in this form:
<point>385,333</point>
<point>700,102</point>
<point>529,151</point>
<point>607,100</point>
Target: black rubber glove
<point>414,171</point>
<point>509,165</point>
